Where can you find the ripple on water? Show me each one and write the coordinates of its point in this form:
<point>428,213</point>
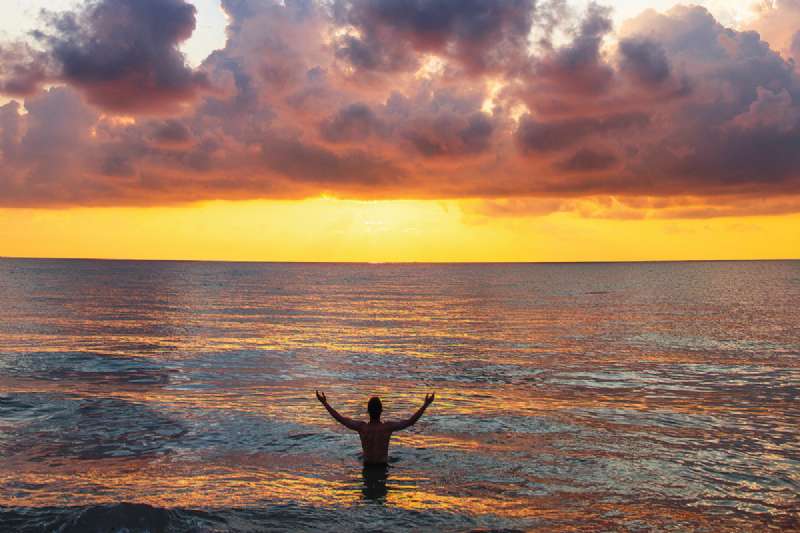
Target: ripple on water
<point>86,366</point>
<point>55,427</point>
<point>669,403</point>
<point>117,518</point>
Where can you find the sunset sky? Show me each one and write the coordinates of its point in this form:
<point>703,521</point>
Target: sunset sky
<point>400,130</point>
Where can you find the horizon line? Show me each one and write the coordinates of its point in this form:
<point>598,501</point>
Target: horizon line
<point>292,262</point>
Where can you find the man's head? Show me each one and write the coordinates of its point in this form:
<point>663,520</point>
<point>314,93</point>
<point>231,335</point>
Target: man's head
<point>375,408</point>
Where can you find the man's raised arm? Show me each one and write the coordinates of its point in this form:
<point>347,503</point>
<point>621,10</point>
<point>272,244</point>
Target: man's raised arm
<point>343,420</point>
<point>397,426</point>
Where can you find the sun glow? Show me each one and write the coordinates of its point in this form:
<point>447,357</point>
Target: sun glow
<point>328,229</point>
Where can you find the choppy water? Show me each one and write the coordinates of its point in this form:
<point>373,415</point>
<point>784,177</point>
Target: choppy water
<point>180,396</point>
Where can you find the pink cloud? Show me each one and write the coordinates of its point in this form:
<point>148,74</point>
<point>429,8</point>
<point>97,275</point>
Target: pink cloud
<point>678,106</point>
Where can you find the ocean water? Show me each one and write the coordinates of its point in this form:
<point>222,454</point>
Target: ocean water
<point>172,396</point>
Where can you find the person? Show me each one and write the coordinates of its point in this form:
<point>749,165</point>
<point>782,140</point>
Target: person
<point>375,434</point>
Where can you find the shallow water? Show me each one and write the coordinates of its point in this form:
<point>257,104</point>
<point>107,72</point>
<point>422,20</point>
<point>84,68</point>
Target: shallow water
<point>180,396</point>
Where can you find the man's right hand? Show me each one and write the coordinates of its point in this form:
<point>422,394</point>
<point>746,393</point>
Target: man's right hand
<point>429,398</point>
<point>321,397</point>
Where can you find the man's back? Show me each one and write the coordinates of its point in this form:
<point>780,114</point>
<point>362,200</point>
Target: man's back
<point>375,442</point>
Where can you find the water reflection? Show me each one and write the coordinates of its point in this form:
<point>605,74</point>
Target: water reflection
<point>632,397</point>
<point>376,480</point>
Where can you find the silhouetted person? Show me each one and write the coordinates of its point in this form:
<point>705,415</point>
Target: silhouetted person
<point>375,434</point>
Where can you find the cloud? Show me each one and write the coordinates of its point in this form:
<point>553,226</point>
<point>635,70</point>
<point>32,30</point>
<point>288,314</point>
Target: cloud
<point>451,135</point>
<point>779,24</point>
<point>442,124</point>
<point>645,61</point>
<point>513,102</point>
<point>579,66</point>
<point>10,127</point>
<point>535,136</point>
<point>480,35</point>
<point>739,130</point>
<point>446,123</point>
<point>355,122</point>
<point>123,55</point>
<point>636,208</point>
<point>22,69</point>
<point>769,111</point>
<point>43,150</point>
<point>172,132</point>
<point>310,163</point>
<point>588,160</point>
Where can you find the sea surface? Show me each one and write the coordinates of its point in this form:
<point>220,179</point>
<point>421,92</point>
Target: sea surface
<point>179,396</point>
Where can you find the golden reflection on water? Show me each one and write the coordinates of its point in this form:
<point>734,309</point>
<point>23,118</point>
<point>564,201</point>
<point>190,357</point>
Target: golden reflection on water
<point>192,388</point>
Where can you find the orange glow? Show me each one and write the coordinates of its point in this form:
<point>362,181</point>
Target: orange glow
<point>326,229</point>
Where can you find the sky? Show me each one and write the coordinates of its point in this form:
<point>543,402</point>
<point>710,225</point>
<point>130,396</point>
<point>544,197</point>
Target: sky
<point>400,130</point>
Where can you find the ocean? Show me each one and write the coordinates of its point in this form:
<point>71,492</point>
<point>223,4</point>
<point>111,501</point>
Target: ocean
<point>179,396</point>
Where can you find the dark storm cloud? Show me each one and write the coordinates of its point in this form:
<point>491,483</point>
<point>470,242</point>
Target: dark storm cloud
<point>747,136</point>
<point>579,66</point>
<point>755,151</point>
<point>535,136</point>
<point>172,132</point>
<point>645,61</point>
<point>437,124</point>
<point>588,160</point>
<point>451,134</point>
<point>355,122</point>
<point>314,164</point>
<point>370,53</point>
<point>476,135</point>
<point>122,53</point>
<point>480,34</point>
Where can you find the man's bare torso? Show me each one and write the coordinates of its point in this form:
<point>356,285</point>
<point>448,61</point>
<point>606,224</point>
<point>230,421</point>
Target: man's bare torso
<point>375,441</point>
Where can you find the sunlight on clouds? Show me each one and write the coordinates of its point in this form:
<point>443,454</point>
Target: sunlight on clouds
<point>432,66</point>
<point>732,13</point>
<point>495,86</point>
